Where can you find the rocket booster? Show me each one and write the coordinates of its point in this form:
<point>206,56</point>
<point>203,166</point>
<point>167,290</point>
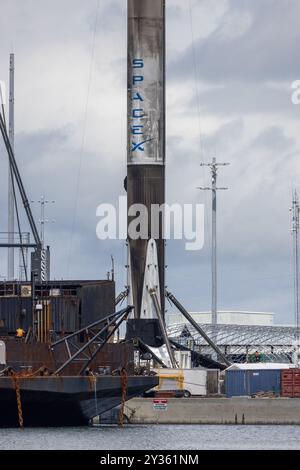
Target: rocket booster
<point>146,135</point>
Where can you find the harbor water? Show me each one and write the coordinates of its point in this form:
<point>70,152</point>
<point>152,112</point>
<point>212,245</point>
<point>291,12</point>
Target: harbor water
<point>152,437</point>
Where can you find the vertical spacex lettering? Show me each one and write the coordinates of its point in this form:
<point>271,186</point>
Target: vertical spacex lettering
<point>137,116</point>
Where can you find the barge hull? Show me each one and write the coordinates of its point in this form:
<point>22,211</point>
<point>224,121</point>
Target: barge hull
<point>65,401</point>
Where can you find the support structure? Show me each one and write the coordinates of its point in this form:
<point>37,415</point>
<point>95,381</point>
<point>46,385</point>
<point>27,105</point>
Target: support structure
<point>122,296</point>
<point>163,328</point>
<point>23,257</point>
<point>40,259</point>
<point>43,202</point>
<point>16,181</point>
<point>95,343</point>
<point>190,319</point>
<point>214,288</point>
<point>17,176</point>
<point>11,209</point>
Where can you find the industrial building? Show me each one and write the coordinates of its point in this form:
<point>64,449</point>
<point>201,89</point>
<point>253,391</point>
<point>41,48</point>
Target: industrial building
<point>241,336</point>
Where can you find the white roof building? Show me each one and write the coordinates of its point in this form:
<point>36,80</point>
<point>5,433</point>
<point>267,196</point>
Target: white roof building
<point>238,334</point>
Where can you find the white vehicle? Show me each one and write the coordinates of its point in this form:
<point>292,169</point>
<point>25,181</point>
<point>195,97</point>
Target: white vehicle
<point>191,382</point>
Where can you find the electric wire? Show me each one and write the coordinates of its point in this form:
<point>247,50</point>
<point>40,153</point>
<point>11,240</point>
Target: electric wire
<point>83,139</point>
<point>200,134</point>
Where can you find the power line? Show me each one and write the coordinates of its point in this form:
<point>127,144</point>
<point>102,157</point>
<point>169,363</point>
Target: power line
<point>83,138</point>
<point>196,80</point>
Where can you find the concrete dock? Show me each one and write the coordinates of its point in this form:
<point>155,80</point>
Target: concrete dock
<point>237,410</point>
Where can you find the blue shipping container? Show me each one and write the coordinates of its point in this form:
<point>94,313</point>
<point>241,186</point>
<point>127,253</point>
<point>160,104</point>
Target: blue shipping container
<point>250,382</point>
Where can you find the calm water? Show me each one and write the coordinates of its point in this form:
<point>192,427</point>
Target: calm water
<point>153,438</point>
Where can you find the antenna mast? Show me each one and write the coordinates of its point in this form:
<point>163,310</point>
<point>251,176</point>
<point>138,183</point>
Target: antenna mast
<point>43,220</point>
<point>11,212</point>
<point>214,168</point>
<point>295,232</point>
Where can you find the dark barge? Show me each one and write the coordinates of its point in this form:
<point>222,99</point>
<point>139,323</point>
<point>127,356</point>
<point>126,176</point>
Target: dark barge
<point>67,368</point>
<point>65,401</point>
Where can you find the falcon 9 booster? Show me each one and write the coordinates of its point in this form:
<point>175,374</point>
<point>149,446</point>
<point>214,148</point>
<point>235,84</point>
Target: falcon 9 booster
<point>146,141</point>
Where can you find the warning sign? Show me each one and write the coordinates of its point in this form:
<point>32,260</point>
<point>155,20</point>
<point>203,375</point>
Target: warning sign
<point>160,404</point>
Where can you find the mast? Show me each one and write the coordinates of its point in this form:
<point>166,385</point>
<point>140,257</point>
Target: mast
<point>11,134</point>
<point>295,232</point>
<point>214,290</point>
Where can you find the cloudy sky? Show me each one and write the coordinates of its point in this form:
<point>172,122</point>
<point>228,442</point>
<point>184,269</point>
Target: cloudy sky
<point>230,66</point>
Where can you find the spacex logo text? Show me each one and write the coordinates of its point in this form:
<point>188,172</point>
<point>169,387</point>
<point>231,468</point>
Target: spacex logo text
<point>137,112</point>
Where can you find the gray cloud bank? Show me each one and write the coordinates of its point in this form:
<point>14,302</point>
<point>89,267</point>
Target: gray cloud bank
<point>228,94</point>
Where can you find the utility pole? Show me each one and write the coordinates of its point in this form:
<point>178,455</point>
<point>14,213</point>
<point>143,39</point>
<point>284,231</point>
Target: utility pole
<point>295,232</point>
<point>214,168</point>
<point>11,209</point>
